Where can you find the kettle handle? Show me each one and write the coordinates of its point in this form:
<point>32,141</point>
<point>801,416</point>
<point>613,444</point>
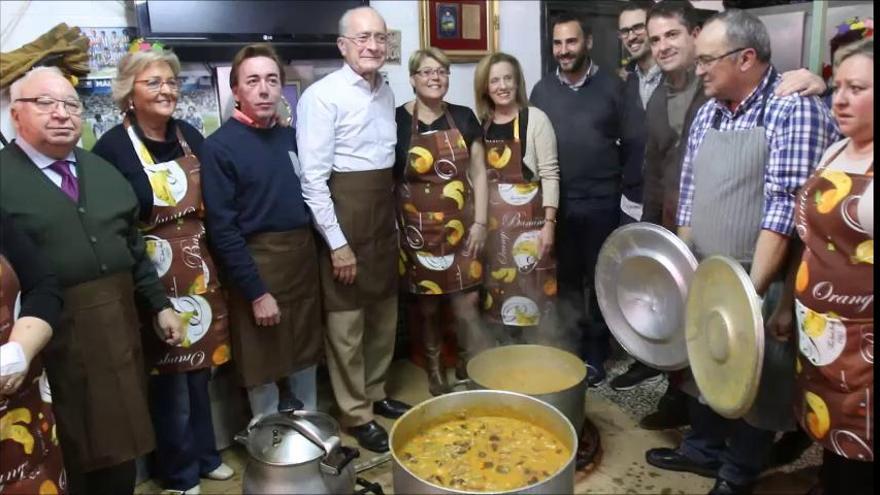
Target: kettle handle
<point>306,429</point>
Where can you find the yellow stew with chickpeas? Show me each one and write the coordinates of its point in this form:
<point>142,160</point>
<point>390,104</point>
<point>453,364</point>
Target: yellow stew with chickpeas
<point>484,453</point>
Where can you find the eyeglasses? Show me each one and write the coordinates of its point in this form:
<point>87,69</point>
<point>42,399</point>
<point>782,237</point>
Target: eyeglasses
<point>361,39</point>
<point>706,61</point>
<point>429,72</point>
<point>155,85</point>
<point>47,104</point>
<point>624,33</point>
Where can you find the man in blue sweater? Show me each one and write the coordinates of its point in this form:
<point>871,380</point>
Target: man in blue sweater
<point>585,104</point>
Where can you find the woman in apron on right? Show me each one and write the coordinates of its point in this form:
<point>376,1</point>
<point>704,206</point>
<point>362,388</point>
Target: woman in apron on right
<point>832,285</point>
<point>523,174</point>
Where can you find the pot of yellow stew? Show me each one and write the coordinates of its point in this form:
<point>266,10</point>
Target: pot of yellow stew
<point>483,441</point>
<point>552,375</point>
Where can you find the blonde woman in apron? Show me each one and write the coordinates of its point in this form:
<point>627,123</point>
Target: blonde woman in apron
<point>523,176</point>
<point>830,288</point>
<point>441,191</point>
<point>155,153</point>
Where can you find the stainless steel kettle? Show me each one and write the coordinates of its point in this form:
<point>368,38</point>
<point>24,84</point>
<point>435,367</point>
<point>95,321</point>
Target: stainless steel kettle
<point>297,452</point>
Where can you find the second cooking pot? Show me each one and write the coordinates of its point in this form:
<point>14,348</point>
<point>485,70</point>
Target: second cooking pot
<point>546,373</point>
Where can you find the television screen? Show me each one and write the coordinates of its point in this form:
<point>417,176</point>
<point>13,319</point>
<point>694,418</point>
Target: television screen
<point>242,20</point>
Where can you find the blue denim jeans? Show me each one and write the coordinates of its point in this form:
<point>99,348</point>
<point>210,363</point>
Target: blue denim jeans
<point>742,449</point>
<point>181,412</point>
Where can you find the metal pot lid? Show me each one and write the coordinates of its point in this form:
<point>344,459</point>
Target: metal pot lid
<point>725,336</point>
<point>293,439</point>
<point>642,278</point>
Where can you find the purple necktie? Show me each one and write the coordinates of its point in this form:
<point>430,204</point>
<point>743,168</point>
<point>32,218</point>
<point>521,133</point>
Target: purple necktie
<point>68,182</point>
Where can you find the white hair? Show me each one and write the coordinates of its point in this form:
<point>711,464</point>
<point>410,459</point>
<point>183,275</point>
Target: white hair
<point>343,21</point>
<point>15,89</point>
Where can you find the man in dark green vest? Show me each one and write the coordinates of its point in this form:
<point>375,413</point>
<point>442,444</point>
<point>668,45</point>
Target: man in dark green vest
<point>83,215</point>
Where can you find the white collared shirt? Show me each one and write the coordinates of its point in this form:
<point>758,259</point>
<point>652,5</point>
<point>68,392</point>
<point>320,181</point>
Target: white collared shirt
<point>343,125</point>
<point>43,162</point>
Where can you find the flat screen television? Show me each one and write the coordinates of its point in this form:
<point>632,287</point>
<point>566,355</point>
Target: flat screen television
<point>214,30</point>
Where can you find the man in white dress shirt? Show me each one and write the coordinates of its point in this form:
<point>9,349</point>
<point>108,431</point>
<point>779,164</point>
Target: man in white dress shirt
<point>346,135</point>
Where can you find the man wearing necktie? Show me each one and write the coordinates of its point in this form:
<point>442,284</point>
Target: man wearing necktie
<point>83,215</point>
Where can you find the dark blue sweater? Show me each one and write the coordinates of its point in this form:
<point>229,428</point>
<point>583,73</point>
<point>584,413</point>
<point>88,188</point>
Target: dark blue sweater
<point>590,134</point>
<point>249,187</point>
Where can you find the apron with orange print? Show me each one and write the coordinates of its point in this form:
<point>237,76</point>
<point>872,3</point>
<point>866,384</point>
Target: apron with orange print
<point>436,208</point>
<point>175,240</point>
<point>834,298</point>
<point>520,288</point>
<point>30,458</point>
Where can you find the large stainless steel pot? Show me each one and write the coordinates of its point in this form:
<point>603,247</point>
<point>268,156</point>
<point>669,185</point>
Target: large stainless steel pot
<point>482,401</point>
<point>485,368</point>
<point>297,452</point>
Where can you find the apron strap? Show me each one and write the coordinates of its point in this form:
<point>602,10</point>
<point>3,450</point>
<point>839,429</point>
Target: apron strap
<point>415,118</point>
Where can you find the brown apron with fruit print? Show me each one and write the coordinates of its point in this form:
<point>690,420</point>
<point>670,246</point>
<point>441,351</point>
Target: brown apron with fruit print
<point>30,458</point>
<point>520,288</point>
<point>834,297</point>
<point>435,210</point>
<point>175,239</point>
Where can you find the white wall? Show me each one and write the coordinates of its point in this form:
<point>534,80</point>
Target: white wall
<point>520,36</point>
<point>23,21</point>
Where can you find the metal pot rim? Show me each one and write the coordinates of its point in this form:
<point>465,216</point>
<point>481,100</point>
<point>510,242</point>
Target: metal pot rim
<point>475,361</point>
<point>427,403</point>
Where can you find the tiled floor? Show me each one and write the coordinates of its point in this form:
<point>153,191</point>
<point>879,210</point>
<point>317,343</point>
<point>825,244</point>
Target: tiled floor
<point>621,470</point>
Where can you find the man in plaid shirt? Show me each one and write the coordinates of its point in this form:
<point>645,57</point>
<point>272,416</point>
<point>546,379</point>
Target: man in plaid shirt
<point>748,153</point>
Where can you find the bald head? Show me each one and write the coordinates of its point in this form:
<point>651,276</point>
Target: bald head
<point>358,15</point>
<point>51,129</point>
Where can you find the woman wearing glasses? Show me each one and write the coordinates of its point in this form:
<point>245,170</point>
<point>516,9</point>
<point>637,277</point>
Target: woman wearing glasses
<point>156,153</point>
<point>442,200</point>
<point>523,176</point>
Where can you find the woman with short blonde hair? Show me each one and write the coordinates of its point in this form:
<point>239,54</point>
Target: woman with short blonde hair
<point>828,302</point>
<point>130,66</point>
<point>156,153</point>
<point>440,174</point>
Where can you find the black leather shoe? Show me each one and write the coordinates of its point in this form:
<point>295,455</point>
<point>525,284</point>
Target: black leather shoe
<point>672,412</point>
<point>390,408</point>
<point>370,436</point>
<point>671,460</point>
<point>724,487</point>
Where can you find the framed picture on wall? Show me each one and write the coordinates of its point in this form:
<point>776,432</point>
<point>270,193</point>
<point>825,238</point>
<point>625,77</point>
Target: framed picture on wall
<point>291,92</point>
<point>465,30</point>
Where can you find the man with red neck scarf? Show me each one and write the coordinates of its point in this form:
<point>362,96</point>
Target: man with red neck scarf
<point>260,230</point>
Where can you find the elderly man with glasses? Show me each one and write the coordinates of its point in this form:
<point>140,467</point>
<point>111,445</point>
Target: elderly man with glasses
<point>346,135</point>
<point>83,215</point>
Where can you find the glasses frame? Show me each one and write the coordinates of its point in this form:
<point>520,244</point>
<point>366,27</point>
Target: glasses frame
<point>634,29</point>
<point>432,71</point>
<point>77,111</point>
<point>711,61</point>
<point>162,83</point>
<point>372,36</point>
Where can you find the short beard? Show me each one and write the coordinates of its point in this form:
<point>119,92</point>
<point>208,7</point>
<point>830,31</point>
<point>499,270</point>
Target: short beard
<point>579,62</point>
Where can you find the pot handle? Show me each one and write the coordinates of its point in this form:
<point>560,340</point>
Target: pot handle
<point>306,429</point>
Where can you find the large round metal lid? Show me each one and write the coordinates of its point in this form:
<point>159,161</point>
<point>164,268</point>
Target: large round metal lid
<point>725,336</point>
<point>642,278</point>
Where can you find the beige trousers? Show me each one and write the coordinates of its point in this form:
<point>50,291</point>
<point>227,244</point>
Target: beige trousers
<point>359,346</point>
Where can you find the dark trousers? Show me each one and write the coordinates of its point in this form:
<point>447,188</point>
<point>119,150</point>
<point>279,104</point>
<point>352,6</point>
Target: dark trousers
<point>845,476</point>
<point>181,412</point>
<point>583,227</point>
<point>113,480</point>
<point>741,449</point>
